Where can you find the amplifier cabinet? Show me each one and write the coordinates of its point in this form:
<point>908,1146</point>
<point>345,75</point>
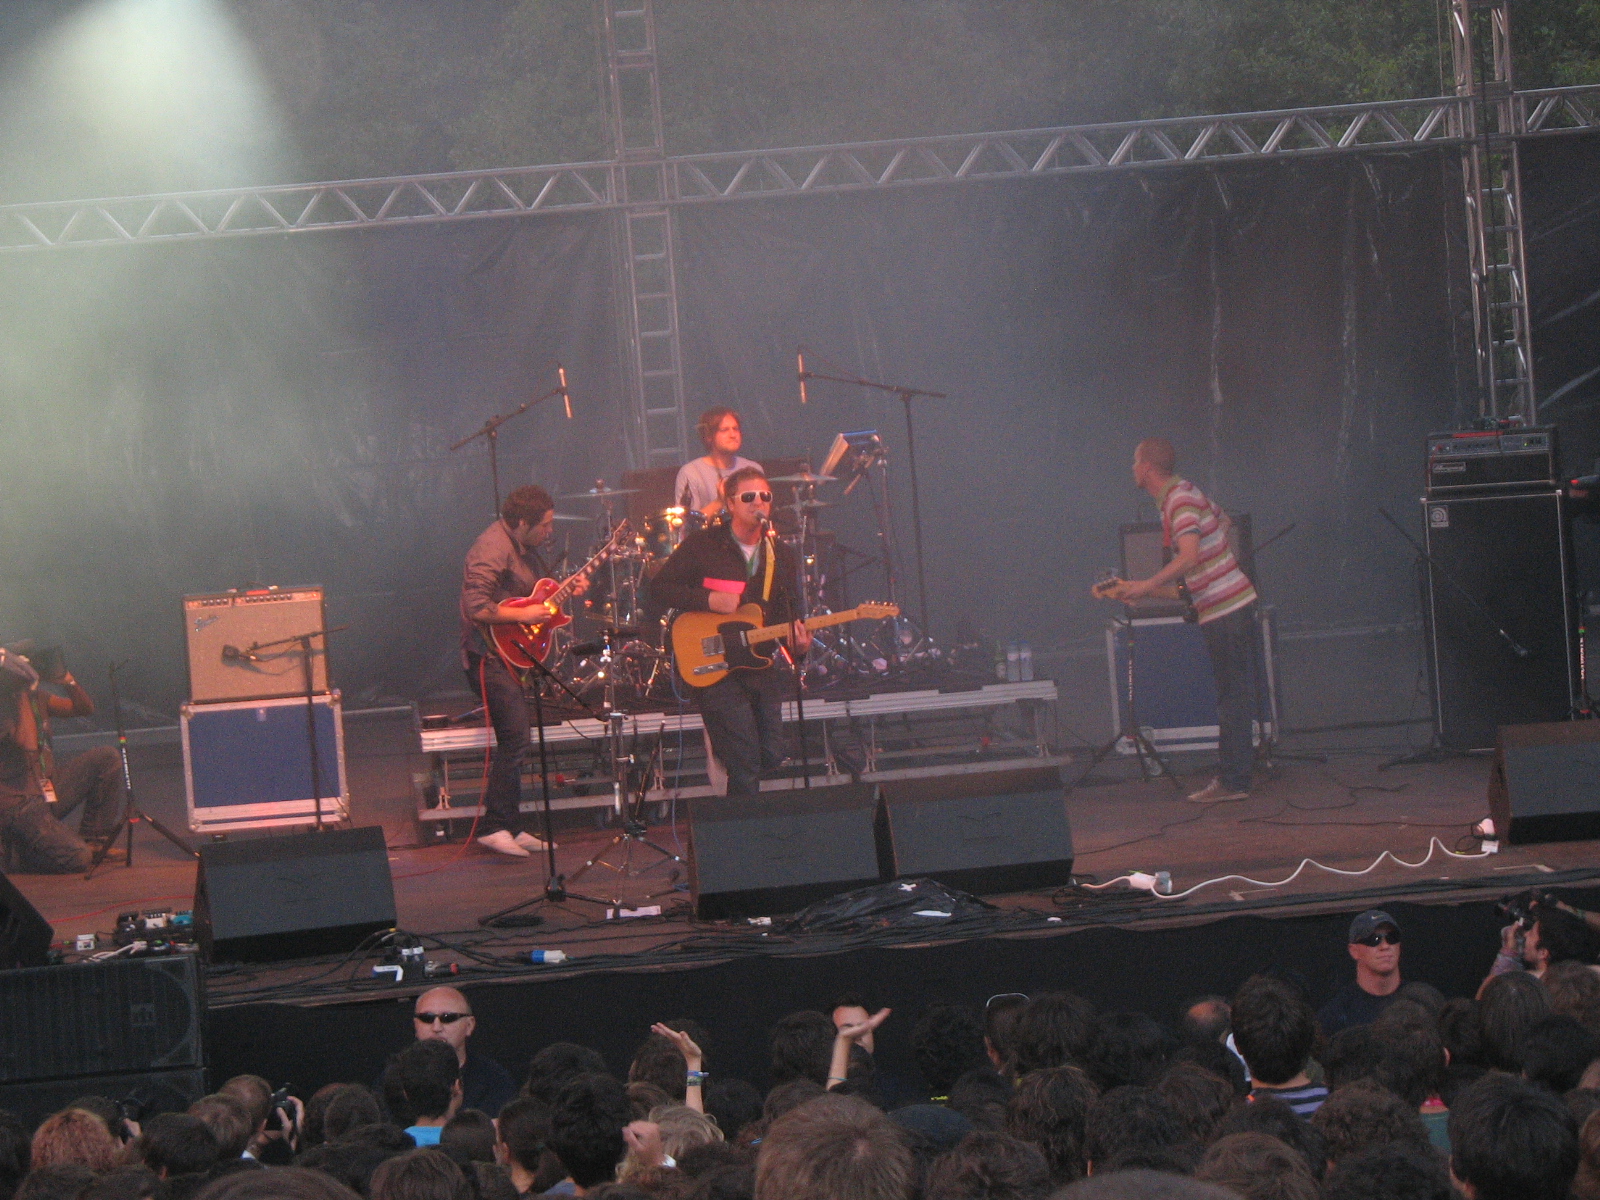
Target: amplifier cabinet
<point>218,624</point>
<point>1499,562</point>
<point>247,764</point>
<point>1484,462</point>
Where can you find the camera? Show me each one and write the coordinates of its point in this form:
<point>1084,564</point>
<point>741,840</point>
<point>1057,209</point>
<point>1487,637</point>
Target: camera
<point>1523,909</point>
<point>280,1104</point>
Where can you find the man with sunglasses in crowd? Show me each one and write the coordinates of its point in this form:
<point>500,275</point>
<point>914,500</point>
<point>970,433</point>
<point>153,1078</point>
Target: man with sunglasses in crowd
<point>1375,945</point>
<point>442,1014</point>
<point>736,562</point>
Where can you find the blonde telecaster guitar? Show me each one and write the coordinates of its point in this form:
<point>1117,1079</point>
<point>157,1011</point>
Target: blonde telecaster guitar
<point>708,645</point>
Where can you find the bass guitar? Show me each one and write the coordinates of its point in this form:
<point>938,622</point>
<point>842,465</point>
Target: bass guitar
<point>708,645</point>
<point>521,645</point>
<point>1109,587</point>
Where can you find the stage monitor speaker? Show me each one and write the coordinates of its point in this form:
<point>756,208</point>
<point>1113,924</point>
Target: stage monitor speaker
<point>105,1018</point>
<point>296,896</point>
<point>989,832</point>
<point>25,935</point>
<point>221,628</point>
<point>1499,562</point>
<point>1545,782</point>
<point>752,856</point>
<point>153,1091</point>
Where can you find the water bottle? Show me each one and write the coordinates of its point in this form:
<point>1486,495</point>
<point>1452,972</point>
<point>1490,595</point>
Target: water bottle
<point>999,662</point>
<point>1013,663</point>
<point>1026,656</point>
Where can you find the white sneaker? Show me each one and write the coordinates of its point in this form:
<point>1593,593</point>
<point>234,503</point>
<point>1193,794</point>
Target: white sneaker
<point>530,843</point>
<point>1216,791</point>
<point>501,842</point>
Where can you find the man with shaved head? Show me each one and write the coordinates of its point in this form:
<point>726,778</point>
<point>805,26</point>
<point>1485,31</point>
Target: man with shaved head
<point>443,1014</point>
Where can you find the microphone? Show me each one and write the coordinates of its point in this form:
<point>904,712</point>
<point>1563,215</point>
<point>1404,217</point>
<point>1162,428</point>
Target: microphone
<point>561,373</point>
<point>800,372</point>
<point>234,654</point>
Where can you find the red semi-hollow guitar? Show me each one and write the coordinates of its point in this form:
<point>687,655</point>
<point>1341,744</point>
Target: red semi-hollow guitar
<point>520,645</point>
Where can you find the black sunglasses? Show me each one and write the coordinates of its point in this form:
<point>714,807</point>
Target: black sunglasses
<point>752,497</point>
<point>1377,939</point>
<point>446,1018</point>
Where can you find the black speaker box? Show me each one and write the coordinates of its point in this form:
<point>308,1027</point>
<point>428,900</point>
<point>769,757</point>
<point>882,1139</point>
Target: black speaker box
<point>1001,831</point>
<point>774,853</point>
<point>1499,562</point>
<point>153,1091</point>
<point>132,1014</point>
<point>292,897</point>
<point>25,935</point>
<point>1545,782</point>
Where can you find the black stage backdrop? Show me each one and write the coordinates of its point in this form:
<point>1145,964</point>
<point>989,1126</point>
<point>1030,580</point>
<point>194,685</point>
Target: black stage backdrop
<point>1450,946</point>
<point>196,416</point>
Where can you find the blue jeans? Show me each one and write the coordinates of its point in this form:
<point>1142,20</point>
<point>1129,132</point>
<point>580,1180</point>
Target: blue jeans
<point>1230,641</point>
<point>508,713</point>
<point>744,717</point>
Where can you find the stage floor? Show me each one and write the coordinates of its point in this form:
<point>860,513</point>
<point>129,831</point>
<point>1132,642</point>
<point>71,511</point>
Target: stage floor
<point>1344,812</point>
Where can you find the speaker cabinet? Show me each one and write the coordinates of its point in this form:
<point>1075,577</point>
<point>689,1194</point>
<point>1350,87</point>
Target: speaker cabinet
<point>153,1091</point>
<point>217,625</point>
<point>1499,562</point>
<point>106,1018</point>
<point>998,831</point>
<point>1545,783</point>
<point>25,935</point>
<point>775,853</point>
<point>292,897</point>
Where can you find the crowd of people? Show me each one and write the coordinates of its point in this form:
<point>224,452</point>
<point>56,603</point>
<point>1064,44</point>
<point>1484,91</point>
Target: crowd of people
<point>1389,1092</point>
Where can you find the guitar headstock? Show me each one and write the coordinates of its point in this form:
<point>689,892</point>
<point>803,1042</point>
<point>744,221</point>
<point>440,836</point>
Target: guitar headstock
<point>1104,588</point>
<point>872,610</point>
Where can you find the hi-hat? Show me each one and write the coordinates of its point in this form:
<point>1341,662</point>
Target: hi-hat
<point>809,504</point>
<point>802,477</point>
<point>600,493</point>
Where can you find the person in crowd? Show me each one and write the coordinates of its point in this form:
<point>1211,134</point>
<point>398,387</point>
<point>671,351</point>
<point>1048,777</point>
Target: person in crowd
<point>469,1137</point>
<point>353,1158</point>
<point>276,1133</point>
<point>802,1047</point>
<point>74,1136</point>
<point>426,1173</point>
<point>314,1132</point>
<point>1257,1166</point>
<point>557,1064</point>
<point>1552,936</point>
<point>229,1122</point>
<point>1049,1108</point>
<point>1461,1031</point>
<point>1557,1052</point>
<point>281,1183</point>
<point>1128,1048</point>
<point>1054,1029</point>
<point>1201,1099</point>
<point>64,1181</point>
<point>1143,1185</point>
<point>1393,1171</point>
<point>946,1042</point>
<point>988,1166</point>
<point>1586,1182</point>
<point>1374,944</point>
<point>642,1097</point>
<point>1509,1006</point>
<point>733,1104</point>
<point>1275,1029</point>
<point>15,1153</point>
<point>521,1147</point>
<point>1361,1115</point>
<point>1574,991</point>
<point>586,1123</point>
<point>444,1014</point>
<point>1511,1140</point>
<point>1267,1114</point>
<point>980,1095</point>
<point>422,1089</point>
<point>1207,1019</point>
<point>1132,1126</point>
<point>175,1144</point>
<point>1000,1014</point>
<point>349,1110</point>
<point>124,1183</point>
<point>834,1147</point>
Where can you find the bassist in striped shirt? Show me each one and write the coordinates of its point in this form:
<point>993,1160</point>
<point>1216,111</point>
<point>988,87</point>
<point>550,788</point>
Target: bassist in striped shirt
<point>1195,530</point>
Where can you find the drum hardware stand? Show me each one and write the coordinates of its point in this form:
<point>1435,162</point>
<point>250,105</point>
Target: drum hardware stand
<point>304,642</point>
<point>131,812</point>
<point>629,807</point>
<point>1128,718</point>
<point>1436,750</point>
<point>491,429</point>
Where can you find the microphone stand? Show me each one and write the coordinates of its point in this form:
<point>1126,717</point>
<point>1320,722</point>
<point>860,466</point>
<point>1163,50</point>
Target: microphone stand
<point>906,395</point>
<point>131,812</point>
<point>491,430</point>
<point>304,641</point>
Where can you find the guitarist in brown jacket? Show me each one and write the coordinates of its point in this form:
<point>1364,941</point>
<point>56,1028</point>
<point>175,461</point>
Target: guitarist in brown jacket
<point>718,569</point>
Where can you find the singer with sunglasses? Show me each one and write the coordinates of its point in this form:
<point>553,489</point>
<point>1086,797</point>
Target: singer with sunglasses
<point>736,562</point>
<point>1375,946</point>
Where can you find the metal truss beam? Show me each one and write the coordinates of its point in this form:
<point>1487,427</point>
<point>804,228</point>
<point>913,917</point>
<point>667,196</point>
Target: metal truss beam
<point>757,174</point>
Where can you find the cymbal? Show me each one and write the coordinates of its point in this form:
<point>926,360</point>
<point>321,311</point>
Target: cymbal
<point>600,493</point>
<point>570,517</point>
<point>808,503</point>
<point>802,477</point>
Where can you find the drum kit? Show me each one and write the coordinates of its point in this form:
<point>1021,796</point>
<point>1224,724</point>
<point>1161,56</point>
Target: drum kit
<point>612,643</point>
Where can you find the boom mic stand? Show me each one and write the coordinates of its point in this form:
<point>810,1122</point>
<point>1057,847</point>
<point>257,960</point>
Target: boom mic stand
<point>304,642</point>
<point>491,429</point>
<point>131,812</point>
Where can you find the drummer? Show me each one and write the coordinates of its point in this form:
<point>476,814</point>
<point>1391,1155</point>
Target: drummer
<point>699,483</point>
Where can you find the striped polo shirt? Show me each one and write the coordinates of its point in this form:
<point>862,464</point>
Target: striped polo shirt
<point>1217,586</point>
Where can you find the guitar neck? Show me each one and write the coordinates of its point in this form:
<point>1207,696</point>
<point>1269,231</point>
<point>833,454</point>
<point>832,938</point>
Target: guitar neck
<point>566,584</point>
<point>772,633</point>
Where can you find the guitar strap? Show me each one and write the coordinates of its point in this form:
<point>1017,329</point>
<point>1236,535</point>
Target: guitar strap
<point>766,585</point>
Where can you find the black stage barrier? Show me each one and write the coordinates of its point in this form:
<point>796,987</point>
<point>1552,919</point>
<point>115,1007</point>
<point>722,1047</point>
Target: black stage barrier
<point>1449,946</point>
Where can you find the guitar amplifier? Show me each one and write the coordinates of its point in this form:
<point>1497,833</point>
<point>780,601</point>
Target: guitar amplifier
<point>222,627</point>
<point>1492,461</point>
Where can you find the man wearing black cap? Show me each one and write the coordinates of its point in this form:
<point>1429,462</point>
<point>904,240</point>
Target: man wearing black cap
<point>1375,945</point>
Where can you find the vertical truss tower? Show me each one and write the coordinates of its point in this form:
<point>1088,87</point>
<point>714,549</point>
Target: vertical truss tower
<point>645,238</point>
<point>1480,32</point>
